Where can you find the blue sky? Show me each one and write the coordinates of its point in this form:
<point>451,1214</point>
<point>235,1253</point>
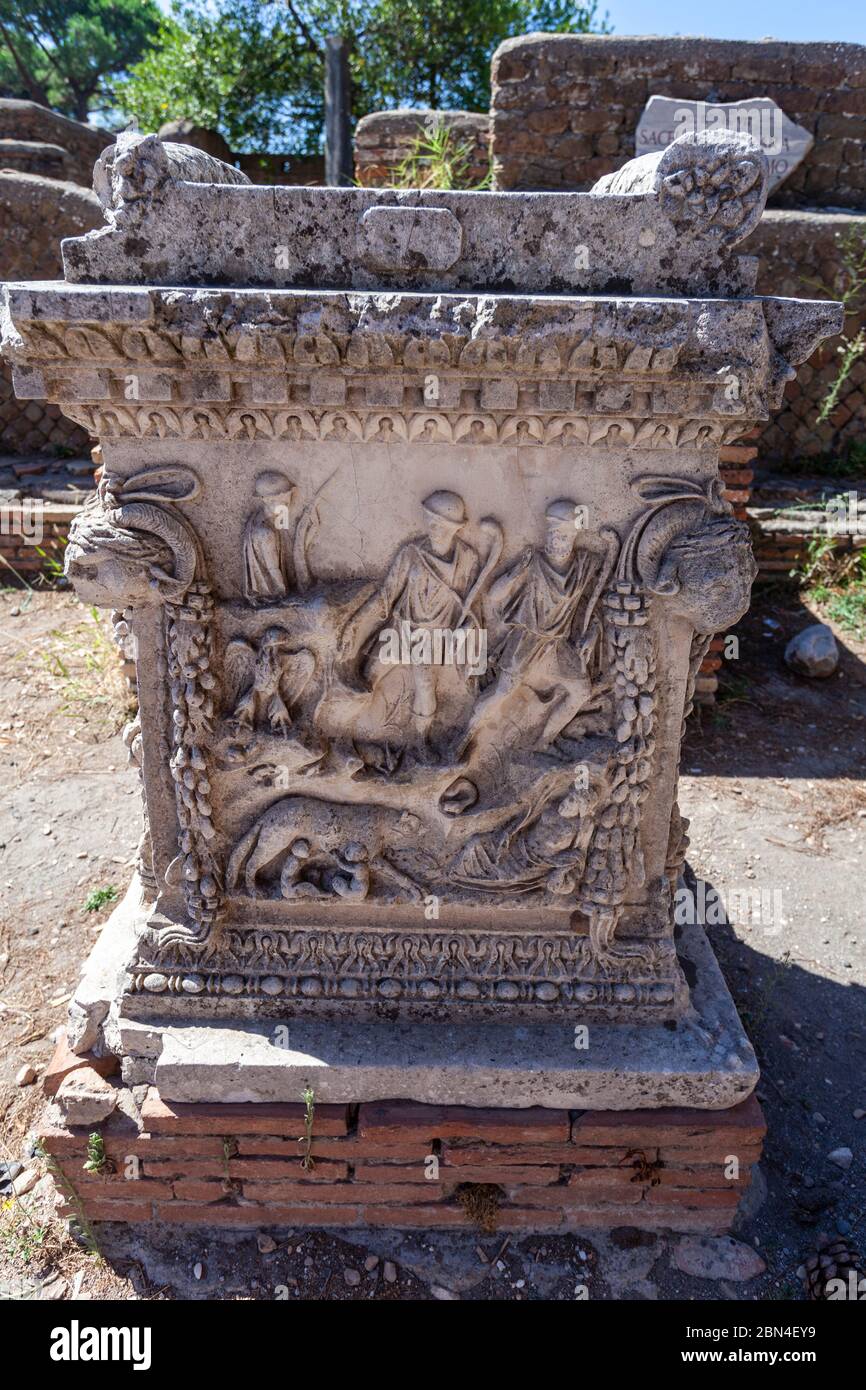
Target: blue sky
<point>830,20</point>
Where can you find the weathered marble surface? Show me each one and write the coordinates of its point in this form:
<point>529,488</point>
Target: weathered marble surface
<point>167,226</point>
<point>411,504</point>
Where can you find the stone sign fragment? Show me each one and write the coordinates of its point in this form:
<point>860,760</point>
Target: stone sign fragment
<point>784,143</point>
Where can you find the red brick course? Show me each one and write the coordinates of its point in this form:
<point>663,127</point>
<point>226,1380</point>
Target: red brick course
<point>407,1120</point>
<point>162,1118</point>
<point>240,1166</point>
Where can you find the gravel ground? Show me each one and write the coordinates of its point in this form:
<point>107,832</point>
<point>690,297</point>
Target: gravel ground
<point>774,785</point>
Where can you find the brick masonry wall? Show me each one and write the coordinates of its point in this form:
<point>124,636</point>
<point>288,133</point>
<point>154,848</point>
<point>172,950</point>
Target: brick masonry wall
<point>19,556</point>
<point>35,426</point>
<point>35,214</point>
<point>240,1165</point>
<point>259,168</point>
<point>565,106</point>
<point>801,256</point>
<point>384,138</point>
<point>564,112</point>
<point>283,168</point>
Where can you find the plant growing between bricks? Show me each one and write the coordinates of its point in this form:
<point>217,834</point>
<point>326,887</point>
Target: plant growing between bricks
<point>79,1220</point>
<point>646,1170</point>
<point>97,1160</point>
<point>481,1202</point>
<point>307,1160</point>
<point>437,160</point>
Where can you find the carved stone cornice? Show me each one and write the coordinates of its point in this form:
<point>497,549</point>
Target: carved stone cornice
<point>492,355</point>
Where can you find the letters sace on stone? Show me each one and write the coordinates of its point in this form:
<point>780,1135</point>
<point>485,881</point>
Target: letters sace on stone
<point>411,504</point>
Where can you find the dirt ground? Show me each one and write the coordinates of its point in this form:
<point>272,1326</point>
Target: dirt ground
<point>775,785</point>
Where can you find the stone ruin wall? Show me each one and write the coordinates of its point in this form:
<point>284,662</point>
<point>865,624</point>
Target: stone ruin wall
<point>564,112</point>
<point>35,212</point>
<point>565,107</point>
<point>384,138</point>
<point>46,172</point>
<point>81,145</point>
<point>46,168</point>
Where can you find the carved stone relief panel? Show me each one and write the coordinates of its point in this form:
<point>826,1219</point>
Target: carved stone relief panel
<point>411,762</point>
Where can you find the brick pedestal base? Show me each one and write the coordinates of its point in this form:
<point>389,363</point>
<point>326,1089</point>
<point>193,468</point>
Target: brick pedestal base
<point>396,1163</point>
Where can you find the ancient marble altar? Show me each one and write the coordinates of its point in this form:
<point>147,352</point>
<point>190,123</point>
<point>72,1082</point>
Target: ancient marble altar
<point>411,504</point>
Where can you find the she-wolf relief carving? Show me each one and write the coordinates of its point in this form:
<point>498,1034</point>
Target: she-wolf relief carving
<point>320,858</point>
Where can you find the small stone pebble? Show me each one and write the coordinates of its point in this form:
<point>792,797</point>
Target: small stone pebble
<point>352,1277</point>
<point>842,1157</point>
<point>444,1295</point>
<point>858,1114</point>
<point>370,1263</point>
<point>9,1170</point>
<point>25,1182</point>
<point>390,1272</point>
<point>198,1270</point>
<point>266,1243</point>
<point>26,1076</point>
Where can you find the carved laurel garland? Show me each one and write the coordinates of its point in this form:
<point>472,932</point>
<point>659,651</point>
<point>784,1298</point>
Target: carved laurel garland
<point>614,857</point>
<point>390,426</point>
<point>189,646</point>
